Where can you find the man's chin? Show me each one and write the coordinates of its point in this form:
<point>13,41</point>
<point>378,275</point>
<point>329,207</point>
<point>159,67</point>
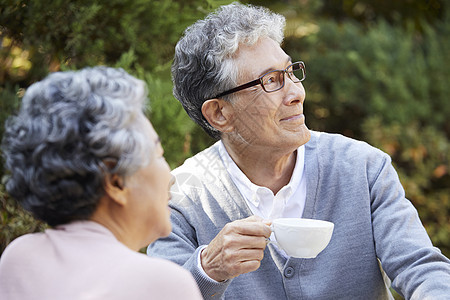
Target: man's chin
<point>302,135</point>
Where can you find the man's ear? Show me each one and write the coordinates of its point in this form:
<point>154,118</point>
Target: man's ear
<point>218,113</point>
<point>114,187</point>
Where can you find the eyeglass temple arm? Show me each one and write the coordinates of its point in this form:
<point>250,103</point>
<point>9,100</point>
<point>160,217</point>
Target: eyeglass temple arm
<point>238,88</point>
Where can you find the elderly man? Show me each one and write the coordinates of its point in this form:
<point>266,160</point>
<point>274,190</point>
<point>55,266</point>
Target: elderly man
<point>233,79</point>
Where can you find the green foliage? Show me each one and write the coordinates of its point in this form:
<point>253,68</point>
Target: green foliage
<point>418,13</point>
<point>80,32</point>
<point>14,221</point>
<point>421,156</point>
<point>384,71</point>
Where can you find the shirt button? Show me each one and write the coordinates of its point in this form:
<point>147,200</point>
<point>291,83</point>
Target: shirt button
<point>289,272</point>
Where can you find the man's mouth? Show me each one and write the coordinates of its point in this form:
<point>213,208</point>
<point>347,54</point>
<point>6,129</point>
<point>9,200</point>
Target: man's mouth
<point>293,117</point>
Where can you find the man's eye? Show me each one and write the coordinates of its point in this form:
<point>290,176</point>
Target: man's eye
<point>270,80</point>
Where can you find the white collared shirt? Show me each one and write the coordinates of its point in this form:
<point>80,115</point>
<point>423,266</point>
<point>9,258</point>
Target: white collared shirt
<point>289,202</point>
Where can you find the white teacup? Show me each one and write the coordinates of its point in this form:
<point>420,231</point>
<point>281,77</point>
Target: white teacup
<point>302,238</point>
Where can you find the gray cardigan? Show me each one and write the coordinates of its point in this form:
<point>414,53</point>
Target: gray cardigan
<point>350,184</point>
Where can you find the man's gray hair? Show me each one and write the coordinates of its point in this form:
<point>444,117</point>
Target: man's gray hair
<point>203,65</point>
<point>68,126</point>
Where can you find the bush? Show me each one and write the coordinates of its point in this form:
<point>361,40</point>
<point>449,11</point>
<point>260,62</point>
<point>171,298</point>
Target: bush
<point>421,156</point>
<point>14,221</point>
<point>353,73</point>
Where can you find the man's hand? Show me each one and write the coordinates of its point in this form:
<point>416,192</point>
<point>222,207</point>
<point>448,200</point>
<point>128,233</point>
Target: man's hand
<point>237,249</point>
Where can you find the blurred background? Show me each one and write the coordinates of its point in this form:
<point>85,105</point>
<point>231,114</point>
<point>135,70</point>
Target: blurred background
<point>377,70</point>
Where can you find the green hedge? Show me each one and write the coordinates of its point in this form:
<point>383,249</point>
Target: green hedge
<point>354,72</point>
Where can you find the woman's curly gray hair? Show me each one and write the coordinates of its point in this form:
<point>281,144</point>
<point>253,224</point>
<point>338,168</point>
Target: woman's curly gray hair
<point>203,66</point>
<point>69,124</point>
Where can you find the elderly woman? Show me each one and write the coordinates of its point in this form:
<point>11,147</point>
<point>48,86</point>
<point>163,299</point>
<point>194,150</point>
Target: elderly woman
<point>84,158</point>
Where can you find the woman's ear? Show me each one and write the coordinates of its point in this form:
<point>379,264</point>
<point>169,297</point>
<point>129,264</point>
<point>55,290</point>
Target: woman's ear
<point>114,187</point>
<point>218,113</point>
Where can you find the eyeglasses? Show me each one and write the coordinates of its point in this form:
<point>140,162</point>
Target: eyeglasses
<point>274,80</point>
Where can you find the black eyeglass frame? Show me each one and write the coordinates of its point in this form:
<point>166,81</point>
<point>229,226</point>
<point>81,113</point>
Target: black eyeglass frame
<point>260,81</point>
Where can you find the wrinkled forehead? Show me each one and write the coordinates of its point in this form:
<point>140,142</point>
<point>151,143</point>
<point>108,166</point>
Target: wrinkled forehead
<point>253,61</point>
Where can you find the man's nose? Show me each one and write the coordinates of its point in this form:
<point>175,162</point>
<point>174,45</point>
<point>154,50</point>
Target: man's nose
<point>295,92</point>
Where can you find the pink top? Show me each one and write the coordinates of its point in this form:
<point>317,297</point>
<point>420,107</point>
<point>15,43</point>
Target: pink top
<point>84,260</point>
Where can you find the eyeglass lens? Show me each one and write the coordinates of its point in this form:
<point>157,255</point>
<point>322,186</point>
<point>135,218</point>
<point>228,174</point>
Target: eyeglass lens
<point>274,80</point>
